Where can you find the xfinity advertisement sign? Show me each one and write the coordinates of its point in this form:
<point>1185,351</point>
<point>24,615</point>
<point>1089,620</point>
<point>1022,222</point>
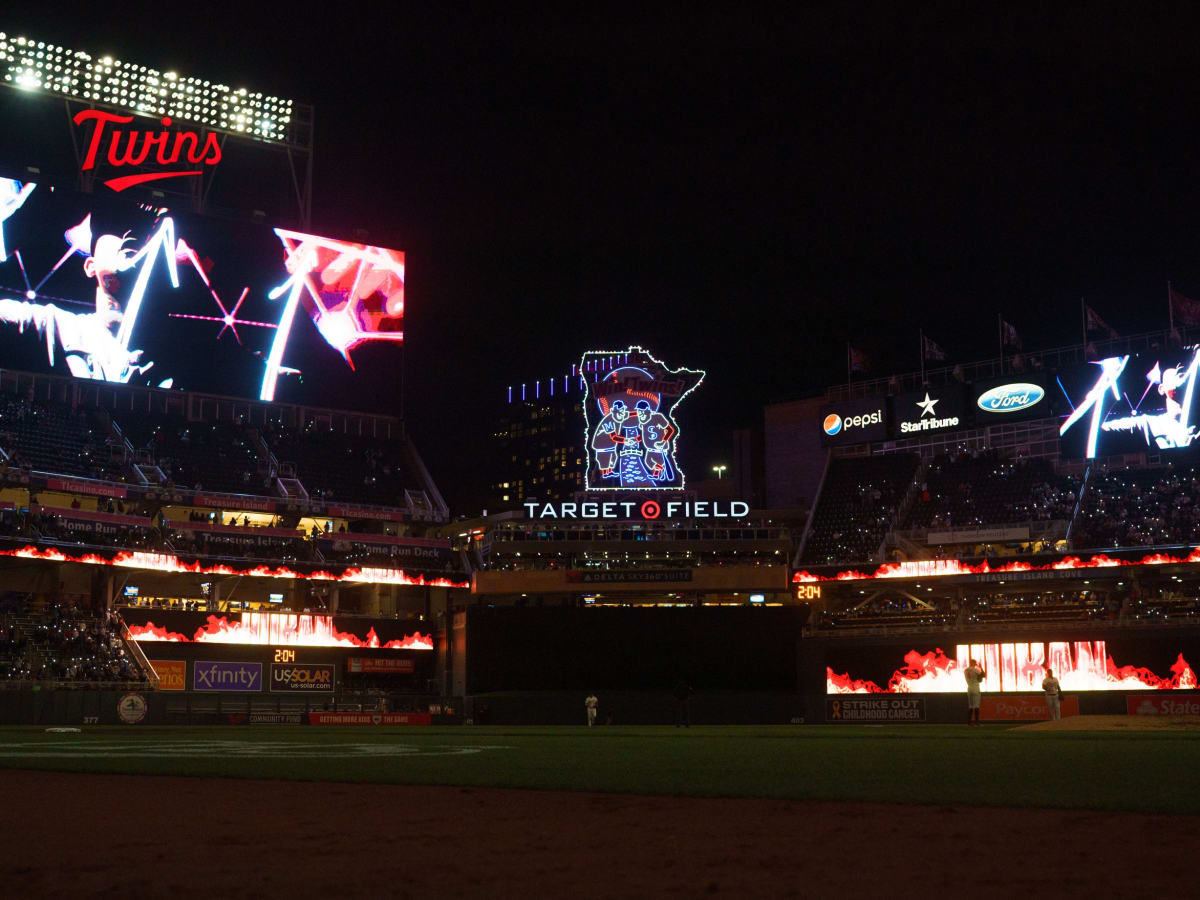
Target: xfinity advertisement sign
<point>854,421</point>
<point>928,411</point>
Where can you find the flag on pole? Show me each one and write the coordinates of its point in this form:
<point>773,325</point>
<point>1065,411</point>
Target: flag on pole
<point>1009,336</point>
<point>1184,308</point>
<point>930,350</point>
<point>859,361</point>
<point>1095,323</point>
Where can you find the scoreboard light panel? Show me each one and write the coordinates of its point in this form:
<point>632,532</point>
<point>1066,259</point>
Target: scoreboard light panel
<point>75,74</point>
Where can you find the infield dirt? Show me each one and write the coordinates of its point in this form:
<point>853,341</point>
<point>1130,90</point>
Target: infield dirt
<point>72,835</point>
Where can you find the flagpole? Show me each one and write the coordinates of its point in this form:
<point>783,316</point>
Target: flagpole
<point>1083,326</point>
<point>1000,329</point>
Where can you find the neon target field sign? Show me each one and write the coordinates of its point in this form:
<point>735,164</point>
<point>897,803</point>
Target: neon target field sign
<point>629,420</point>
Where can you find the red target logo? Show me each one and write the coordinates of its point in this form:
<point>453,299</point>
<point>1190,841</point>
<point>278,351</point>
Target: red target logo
<point>651,510</point>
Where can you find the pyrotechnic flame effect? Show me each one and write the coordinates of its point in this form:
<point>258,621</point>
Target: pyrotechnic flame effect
<point>931,568</point>
<point>1078,665</point>
<point>167,562</point>
<point>278,630</point>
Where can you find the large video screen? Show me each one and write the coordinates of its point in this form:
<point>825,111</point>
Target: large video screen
<point>1128,664</point>
<point>272,629</point>
<point>1127,404</point>
<point>101,288</point>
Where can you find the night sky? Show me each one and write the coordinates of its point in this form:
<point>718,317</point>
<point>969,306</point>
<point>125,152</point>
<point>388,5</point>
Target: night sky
<point>737,193</point>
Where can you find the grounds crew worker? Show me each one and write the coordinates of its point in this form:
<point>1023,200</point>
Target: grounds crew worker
<point>1053,694</point>
<point>974,675</point>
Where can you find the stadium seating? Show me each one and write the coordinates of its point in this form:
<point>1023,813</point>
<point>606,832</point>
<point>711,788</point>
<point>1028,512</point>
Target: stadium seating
<point>49,437</point>
<point>61,644</point>
<point>1144,507</point>
<point>896,613</point>
<point>45,527</point>
<point>339,467</point>
<point>978,490</point>
<point>203,455</point>
<point>857,506</point>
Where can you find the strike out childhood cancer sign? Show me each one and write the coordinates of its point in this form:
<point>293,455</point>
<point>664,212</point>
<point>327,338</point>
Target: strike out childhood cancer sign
<point>865,710</point>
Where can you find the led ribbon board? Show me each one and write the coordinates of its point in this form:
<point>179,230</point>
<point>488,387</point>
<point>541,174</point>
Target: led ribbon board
<point>629,427</point>
<point>934,568</point>
<point>1019,666</point>
<point>277,630</point>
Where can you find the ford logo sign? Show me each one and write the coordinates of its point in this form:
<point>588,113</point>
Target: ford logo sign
<point>1006,398</point>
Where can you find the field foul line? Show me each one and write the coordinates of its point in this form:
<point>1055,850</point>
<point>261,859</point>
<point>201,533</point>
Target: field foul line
<point>249,749</point>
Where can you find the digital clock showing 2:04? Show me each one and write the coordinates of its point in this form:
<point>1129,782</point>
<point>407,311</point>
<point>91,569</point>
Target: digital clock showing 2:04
<point>808,592</point>
<point>284,655</point>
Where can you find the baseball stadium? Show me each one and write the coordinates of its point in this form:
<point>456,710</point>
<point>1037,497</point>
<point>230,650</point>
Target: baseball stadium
<point>933,626</point>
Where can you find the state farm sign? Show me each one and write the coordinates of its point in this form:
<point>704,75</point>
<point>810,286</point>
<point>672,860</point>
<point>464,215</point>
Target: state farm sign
<point>1161,705</point>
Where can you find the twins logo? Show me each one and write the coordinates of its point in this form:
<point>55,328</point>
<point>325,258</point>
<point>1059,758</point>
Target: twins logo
<point>633,440</point>
<point>168,148</point>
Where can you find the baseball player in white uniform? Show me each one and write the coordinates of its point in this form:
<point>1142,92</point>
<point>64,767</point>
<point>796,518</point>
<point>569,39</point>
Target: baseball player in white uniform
<point>974,675</point>
<point>1053,694</point>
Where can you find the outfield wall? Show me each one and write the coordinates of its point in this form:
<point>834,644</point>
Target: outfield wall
<point>548,649</point>
<point>634,708</point>
<point>1102,668</point>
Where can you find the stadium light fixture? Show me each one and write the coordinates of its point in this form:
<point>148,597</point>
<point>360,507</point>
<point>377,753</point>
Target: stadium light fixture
<point>77,75</point>
<point>720,470</point>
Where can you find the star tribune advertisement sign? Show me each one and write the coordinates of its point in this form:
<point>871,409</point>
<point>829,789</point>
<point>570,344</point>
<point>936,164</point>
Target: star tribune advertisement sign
<point>928,411</point>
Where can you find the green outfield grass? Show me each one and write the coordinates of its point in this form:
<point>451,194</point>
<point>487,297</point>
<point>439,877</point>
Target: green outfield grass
<point>1155,771</point>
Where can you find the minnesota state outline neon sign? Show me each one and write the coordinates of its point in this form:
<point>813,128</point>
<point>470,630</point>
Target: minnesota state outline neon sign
<point>630,432</point>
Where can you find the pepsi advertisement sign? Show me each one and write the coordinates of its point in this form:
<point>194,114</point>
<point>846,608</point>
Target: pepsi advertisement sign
<point>854,421</point>
<point>1010,399</point>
